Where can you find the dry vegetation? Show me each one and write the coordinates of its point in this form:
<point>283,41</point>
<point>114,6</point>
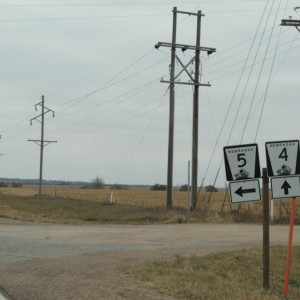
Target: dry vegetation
<point>233,275</point>
<point>130,205</point>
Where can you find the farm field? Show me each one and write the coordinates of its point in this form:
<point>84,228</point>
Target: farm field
<point>135,196</point>
<point>139,203</point>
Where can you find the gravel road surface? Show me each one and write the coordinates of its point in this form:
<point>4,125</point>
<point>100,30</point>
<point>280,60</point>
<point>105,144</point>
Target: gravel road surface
<point>46,261</point>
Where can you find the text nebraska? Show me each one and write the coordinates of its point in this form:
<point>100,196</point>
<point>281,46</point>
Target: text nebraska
<point>240,150</point>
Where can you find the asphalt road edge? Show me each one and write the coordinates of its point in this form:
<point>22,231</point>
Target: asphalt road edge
<point>4,295</point>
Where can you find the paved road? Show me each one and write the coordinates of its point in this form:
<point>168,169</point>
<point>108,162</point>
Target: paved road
<point>45,261</point>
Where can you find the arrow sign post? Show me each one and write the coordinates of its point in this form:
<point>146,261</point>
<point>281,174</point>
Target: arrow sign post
<point>285,187</point>
<point>244,191</point>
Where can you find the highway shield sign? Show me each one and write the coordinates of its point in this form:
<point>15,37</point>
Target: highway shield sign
<point>283,158</point>
<point>241,162</point>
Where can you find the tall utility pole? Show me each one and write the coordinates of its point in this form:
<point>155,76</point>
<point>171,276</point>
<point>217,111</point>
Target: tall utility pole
<point>42,142</point>
<point>196,117</point>
<point>194,81</point>
<point>171,115</point>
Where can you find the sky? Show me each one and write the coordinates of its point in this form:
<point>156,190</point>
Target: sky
<point>97,67</point>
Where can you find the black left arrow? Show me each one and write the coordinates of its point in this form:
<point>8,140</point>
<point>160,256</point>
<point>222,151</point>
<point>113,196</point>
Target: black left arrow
<point>240,191</point>
<point>286,187</point>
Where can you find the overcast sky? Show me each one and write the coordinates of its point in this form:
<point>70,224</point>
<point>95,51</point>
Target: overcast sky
<point>96,64</point>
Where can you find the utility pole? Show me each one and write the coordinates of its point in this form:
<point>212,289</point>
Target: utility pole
<point>196,117</point>
<point>42,142</point>
<point>171,115</point>
<point>194,81</point>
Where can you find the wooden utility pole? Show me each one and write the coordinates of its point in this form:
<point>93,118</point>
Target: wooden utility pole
<point>194,81</point>
<point>171,115</point>
<point>196,117</point>
<point>42,142</point>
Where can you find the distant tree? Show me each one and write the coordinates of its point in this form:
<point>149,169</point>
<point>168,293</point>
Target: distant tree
<point>158,187</point>
<point>97,183</point>
<point>3,184</point>
<point>183,188</point>
<point>16,184</point>
<point>64,183</point>
<point>211,188</point>
<point>120,187</point>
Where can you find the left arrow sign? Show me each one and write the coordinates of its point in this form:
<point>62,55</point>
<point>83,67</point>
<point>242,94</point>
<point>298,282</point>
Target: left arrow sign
<point>240,191</point>
<point>244,191</point>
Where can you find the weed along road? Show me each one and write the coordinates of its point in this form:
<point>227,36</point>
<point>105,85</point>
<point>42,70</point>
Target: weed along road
<point>46,261</point>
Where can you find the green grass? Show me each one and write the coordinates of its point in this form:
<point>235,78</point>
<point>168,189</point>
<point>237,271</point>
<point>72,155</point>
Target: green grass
<point>233,275</point>
<point>70,211</point>
<point>74,211</point>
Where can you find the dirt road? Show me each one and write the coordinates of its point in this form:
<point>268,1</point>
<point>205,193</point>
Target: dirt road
<point>45,261</point>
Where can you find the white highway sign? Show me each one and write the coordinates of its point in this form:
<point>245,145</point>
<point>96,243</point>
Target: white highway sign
<point>244,191</point>
<point>241,162</point>
<point>283,158</point>
<point>285,187</point>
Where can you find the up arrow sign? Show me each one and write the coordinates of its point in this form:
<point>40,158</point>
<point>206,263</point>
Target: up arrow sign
<point>286,187</point>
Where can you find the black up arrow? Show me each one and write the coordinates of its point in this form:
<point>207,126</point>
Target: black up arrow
<point>286,187</point>
<point>241,192</point>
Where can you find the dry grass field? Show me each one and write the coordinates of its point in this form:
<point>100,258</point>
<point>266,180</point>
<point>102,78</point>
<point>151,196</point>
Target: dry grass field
<point>230,275</point>
<point>211,207</point>
<point>136,196</point>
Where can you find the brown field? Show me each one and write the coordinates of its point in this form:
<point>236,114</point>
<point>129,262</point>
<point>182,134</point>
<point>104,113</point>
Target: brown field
<point>214,206</point>
<point>134,196</point>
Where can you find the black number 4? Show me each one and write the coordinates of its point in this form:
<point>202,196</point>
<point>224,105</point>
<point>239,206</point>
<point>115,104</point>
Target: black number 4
<point>241,159</point>
<point>283,154</point>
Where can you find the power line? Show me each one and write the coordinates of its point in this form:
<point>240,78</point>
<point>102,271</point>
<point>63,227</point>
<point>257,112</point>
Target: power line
<point>233,97</point>
<point>83,18</point>
<point>257,63</point>
<point>138,144</point>
<point>254,94</point>
<point>107,85</point>
<point>111,117</point>
<point>124,4</point>
<point>240,102</point>
<point>264,95</point>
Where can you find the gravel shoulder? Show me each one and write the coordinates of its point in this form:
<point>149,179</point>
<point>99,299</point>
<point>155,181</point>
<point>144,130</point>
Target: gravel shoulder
<point>46,261</point>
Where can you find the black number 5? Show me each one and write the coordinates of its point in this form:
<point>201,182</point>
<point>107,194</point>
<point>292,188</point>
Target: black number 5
<point>241,159</point>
